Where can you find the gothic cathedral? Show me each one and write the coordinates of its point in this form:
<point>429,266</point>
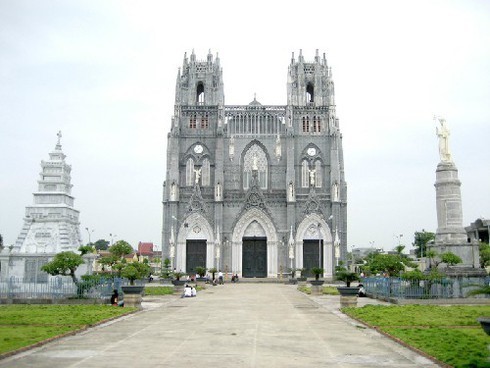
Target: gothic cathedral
<point>254,190</point>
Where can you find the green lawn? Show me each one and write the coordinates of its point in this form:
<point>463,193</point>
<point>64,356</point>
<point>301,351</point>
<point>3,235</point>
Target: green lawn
<point>327,290</point>
<point>24,325</point>
<point>451,334</point>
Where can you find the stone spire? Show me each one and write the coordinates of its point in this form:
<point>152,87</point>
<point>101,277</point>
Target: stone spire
<point>51,223</point>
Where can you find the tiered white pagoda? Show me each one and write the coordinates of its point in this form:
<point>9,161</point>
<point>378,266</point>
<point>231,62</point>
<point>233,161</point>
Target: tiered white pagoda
<point>51,224</point>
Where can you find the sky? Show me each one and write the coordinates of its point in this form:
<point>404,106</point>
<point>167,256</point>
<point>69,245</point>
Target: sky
<point>104,72</point>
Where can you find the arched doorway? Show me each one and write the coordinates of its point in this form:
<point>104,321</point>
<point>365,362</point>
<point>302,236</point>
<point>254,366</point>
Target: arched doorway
<point>254,245</point>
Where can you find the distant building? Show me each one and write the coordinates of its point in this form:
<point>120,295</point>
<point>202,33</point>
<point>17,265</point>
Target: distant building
<point>478,231</point>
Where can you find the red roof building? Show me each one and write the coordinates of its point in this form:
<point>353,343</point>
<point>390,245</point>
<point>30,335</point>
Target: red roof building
<point>145,249</point>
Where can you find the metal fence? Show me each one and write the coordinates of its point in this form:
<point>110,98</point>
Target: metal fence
<point>60,288</point>
<point>447,288</point>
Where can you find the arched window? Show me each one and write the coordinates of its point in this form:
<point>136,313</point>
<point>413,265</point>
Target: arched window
<point>305,174</point>
<point>316,124</point>
<point>189,172</point>
<point>255,159</point>
<point>309,93</point>
<point>206,173</point>
<point>192,121</point>
<point>318,174</point>
<point>200,93</point>
<point>306,124</point>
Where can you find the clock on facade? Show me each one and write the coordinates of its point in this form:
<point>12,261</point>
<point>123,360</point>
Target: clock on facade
<point>311,151</point>
<point>198,148</point>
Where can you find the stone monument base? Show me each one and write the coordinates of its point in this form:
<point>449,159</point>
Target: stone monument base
<point>468,252</point>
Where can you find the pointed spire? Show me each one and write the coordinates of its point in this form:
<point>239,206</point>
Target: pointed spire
<point>317,57</point>
<point>58,144</point>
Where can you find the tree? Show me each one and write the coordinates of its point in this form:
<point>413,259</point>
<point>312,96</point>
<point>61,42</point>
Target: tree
<point>85,249</point>
<point>101,244</point>
<point>450,258</point>
<point>135,270</point>
<point>65,264</point>
<point>116,258</point>
<point>391,264</point>
<point>399,249</point>
<point>484,255</point>
<point>421,238</point>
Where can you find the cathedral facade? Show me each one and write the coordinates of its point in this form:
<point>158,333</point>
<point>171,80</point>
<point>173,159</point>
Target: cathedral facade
<point>254,189</point>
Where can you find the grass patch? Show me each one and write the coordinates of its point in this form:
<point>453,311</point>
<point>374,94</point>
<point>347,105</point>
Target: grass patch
<point>159,290</point>
<point>327,290</point>
<point>24,325</point>
<point>451,334</point>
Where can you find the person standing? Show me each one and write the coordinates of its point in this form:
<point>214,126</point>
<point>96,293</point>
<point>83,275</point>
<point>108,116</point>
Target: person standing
<point>220,278</point>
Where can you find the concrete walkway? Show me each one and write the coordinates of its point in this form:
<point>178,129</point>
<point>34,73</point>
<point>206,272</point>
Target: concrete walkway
<point>235,325</point>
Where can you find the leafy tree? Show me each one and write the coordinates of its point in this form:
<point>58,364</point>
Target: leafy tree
<point>450,258</point>
<point>102,244</point>
<point>484,255</point>
<point>399,249</point>
<point>65,264</point>
<point>391,264</point>
<point>116,258</point>
<point>135,270</point>
<point>121,248</point>
<point>317,271</point>
<point>346,276</point>
<point>85,249</point>
<point>421,238</point>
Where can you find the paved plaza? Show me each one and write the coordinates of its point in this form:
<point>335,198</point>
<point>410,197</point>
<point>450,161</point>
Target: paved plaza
<point>235,325</point>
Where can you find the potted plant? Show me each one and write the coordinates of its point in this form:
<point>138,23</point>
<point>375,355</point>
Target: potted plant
<point>213,271</point>
<point>201,273</point>
<point>348,294</point>
<point>316,284</point>
<point>484,321</point>
<point>133,293</point>
<point>292,279</point>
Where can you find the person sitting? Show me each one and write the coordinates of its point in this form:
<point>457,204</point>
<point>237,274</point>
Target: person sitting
<point>115,300</point>
<point>193,291</point>
<point>187,291</point>
<point>362,291</point>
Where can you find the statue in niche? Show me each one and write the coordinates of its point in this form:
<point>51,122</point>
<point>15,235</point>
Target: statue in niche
<point>335,192</point>
<point>443,134</point>
<point>197,172</point>
<point>173,191</point>
<point>312,177</point>
<point>291,191</point>
<point>218,191</point>
<point>255,167</point>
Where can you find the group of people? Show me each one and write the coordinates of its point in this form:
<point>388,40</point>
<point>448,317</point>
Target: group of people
<point>189,291</point>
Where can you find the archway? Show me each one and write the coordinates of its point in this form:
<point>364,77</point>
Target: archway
<point>257,232</point>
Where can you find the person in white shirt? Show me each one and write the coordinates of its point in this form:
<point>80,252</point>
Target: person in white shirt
<point>187,291</point>
<point>220,278</point>
<point>193,291</point>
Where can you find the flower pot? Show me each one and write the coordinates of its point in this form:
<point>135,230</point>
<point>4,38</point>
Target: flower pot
<point>179,285</point>
<point>348,296</point>
<point>316,287</point>
<point>133,294</point>
<point>485,324</point>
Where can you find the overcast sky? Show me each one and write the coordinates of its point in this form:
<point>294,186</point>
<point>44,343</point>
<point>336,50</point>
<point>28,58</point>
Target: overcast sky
<point>103,72</point>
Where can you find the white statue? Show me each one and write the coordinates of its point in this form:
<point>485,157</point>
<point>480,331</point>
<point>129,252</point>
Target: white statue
<point>312,177</point>
<point>218,191</point>
<point>291,251</point>
<point>197,172</point>
<point>291,191</point>
<point>335,192</point>
<point>443,134</point>
<point>254,162</point>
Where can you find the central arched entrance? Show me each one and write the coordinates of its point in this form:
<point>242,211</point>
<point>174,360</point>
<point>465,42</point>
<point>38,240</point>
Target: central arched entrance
<point>254,245</point>
<point>254,257</point>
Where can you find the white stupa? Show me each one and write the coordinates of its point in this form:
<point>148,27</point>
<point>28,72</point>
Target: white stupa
<point>51,224</point>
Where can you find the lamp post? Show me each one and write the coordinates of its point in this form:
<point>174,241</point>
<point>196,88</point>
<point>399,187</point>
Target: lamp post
<point>89,232</point>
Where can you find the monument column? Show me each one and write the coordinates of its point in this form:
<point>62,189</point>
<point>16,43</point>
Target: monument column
<point>450,234</point>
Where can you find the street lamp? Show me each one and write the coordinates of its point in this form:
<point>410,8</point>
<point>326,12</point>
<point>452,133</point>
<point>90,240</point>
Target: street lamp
<point>89,232</point>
